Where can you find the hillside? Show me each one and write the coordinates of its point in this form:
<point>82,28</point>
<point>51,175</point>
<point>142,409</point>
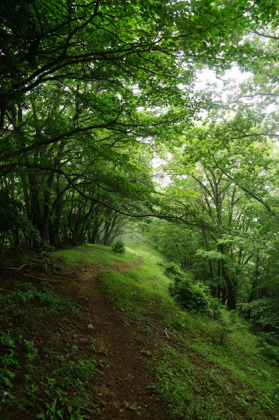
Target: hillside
<point>99,336</point>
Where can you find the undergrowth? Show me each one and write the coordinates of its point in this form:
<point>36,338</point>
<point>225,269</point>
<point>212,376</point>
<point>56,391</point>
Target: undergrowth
<point>45,372</point>
<point>211,367</point>
<point>214,366</point>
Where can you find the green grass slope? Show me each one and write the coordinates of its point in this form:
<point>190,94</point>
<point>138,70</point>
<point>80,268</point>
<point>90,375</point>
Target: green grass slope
<point>204,368</point>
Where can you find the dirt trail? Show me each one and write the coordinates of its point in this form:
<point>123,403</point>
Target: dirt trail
<point>123,387</point>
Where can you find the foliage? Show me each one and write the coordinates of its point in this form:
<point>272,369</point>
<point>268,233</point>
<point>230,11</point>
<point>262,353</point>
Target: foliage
<point>118,247</point>
<point>264,313</point>
<point>174,381</point>
<point>50,381</point>
<point>173,271</point>
<point>270,353</point>
<point>13,220</point>
<point>187,295</point>
<point>214,357</point>
<point>28,294</point>
<point>90,93</point>
<point>211,367</point>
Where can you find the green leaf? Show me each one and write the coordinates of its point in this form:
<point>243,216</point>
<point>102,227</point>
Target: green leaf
<point>53,406</point>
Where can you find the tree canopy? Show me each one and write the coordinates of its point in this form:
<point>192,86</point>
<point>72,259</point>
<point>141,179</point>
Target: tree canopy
<point>92,91</point>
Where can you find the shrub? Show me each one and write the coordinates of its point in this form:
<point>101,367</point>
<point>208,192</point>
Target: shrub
<point>186,294</point>
<point>172,271</point>
<point>264,312</point>
<point>13,219</point>
<point>118,247</point>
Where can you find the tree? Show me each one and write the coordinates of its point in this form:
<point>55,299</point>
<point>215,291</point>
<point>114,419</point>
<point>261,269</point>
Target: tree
<point>224,190</point>
<point>86,85</point>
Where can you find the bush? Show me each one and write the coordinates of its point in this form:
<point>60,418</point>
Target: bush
<point>186,294</point>
<point>265,313</point>
<point>13,219</point>
<point>173,271</point>
<point>118,247</point>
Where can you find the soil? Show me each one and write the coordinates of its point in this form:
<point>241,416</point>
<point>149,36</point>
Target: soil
<point>123,387</point>
<point>123,391</point>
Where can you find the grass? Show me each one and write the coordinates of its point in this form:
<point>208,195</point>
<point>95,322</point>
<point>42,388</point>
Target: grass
<point>210,369</point>
<point>86,255</point>
<point>213,369</point>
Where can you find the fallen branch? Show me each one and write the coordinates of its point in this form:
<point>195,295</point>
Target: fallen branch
<point>14,268</point>
<point>168,337</point>
<point>153,326</point>
<point>32,277</point>
<point>159,329</point>
<point>90,411</point>
<point>27,275</point>
<point>37,278</point>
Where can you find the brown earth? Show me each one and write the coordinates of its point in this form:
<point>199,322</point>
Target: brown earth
<point>123,389</point>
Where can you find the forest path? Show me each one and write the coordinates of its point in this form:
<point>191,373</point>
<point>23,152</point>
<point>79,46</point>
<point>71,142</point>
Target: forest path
<point>122,390</point>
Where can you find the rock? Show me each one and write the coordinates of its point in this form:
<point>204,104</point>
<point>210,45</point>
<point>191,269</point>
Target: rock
<point>90,326</point>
